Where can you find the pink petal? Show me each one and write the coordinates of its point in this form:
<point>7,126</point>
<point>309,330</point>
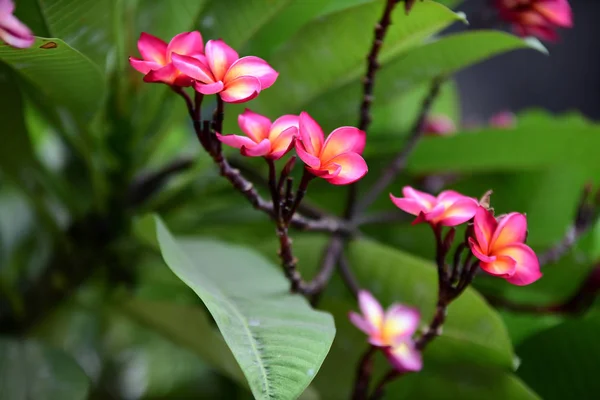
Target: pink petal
<point>371,310</point>
<point>405,357</point>
<point>479,253</point>
<point>449,197</point>
<point>166,74</point>
<point>220,57</point>
<point>427,200</point>
<point>186,43</point>
<point>343,140</point>
<point>527,265</point>
<point>459,212</point>
<point>327,172</point>
<point>309,159</point>
<point>143,66</point>
<point>283,143</point>
<point>14,32</point>
<point>358,321</point>
<point>252,66</point>
<point>353,167</point>
<point>504,119</point>
<point>152,48</point>
<point>502,266</point>
<point>438,124</point>
<point>281,124</point>
<point>241,89</point>
<point>236,141</point>
<point>193,67</point>
<point>435,214</point>
<point>512,228</point>
<point>558,12</point>
<point>211,88</point>
<point>400,323</point>
<point>410,206</point>
<point>541,32</point>
<point>254,125</point>
<point>311,134</point>
<point>7,7</point>
<point>484,226</point>
<point>257,150</point>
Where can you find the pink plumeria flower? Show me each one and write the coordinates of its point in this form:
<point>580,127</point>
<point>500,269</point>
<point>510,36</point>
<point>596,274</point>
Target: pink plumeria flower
<point>392,330</point>
<point>499,245</point>
<point>337,159</point>
<point>538,18</point>
<point>265,139</point>
<point>222,71</point>
<point>12,31</point>
<point>438,125</point>
<point>504,119</point>
<point>157,56</point>
<point>449,208</point>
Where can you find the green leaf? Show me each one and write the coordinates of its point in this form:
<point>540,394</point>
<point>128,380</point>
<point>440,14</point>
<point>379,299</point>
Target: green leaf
<point>562,362</point>
<point>277,339</point>
<point>29,370</point>
<point>63,74</point>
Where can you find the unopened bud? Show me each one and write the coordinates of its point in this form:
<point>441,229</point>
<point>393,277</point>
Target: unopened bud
<point>485,199</point>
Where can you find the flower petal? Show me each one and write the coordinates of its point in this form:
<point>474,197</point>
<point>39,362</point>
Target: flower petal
<point>7,6</point>
<point>527,265</point>
<point>311,134</point>
<point>511,228</point>
<point>502,266</point>
<point>254,125</point>
<point>152,48</point>
<point>410,206</point>
<point>371,310</point>
<point>252,66</point>
<point>343,140</point>
<point>353,167</point>
<point>283,143</point>
<point>558,12</point>
<point>449,197</point>
<point>186,43</point>
<point>281,124</point>
<point>241,89</point>
<point>400,322</point>
<point>405,357</point>
<point>193,67</point>
<point>257,150</point>
<point>166,74</point>
<point>14,32</point>
<point>220,57</point>
<point>308,159</point>
<point>459,212</point>
<point>358,321</point>
<point>236,141</point>
<point>479,253</point>
<point>427,200</point>
<point>210,88</point>
<point>143,66</point>
<point>484,226</point>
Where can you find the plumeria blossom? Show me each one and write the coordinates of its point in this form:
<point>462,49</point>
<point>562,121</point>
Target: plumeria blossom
<point>449,208</point>
<point>222,71</point>
<point>264,139</point>
<point>391,330</point>
<point>503,119</point>
<point>538,18</point>
<point>438,125</point>
<point>337,159</point>
<point>499,245</point>
<point>12,31</point>
<point>157,56</point>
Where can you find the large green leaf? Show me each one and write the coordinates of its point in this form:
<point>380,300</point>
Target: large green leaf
<point>562,362</point>
<point>63,74</point>
<point>277,339</point>
<point>29,370</point>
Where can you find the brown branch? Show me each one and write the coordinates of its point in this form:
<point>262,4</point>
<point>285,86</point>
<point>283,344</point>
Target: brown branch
<point>399,162</point>
<point>363,374</point>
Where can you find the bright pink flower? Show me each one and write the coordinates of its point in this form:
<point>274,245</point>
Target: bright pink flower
<point>449,208</point>
<point>12,31</point>
<point>504,119</point>
<point>337,159</point>
<point>157,56</point>
<point>536,17</point>
<point>499,245</point>
<point>265,139</point>
<point>438,125</point>
<point>222,71</point>
<point>391,330</point>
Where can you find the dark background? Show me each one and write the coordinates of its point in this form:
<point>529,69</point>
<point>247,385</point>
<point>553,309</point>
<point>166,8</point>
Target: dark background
<point>566,80</point>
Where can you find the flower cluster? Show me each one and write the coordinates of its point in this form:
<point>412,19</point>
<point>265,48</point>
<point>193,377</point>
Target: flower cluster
<point>392,331</point>
<point>536,17</point>
<point>12,31</point>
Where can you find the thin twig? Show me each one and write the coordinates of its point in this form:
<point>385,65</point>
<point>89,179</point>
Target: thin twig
<point>383,217</point>
<point>363,374</point>
<point>399,162</point>
<point>379,390</point>
<point>346,274</point>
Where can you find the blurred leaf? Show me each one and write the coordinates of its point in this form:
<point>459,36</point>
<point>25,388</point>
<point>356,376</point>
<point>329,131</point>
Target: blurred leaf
<point>29,370</point>
<point>277,339</point>
<point>63,74</point>
<point>562,362</point>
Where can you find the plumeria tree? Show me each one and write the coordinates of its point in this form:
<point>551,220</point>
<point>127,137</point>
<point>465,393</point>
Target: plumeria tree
<point>179,225</point>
